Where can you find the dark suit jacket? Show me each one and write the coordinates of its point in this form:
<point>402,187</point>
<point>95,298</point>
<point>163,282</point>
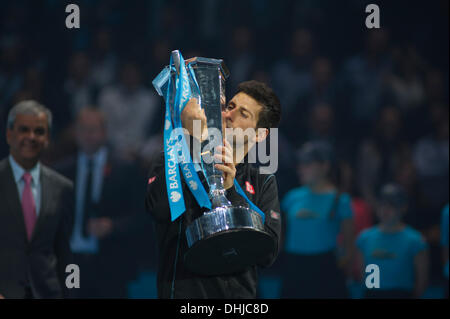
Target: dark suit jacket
<point>121,201</point>
<point>120,197</point>
<point>39,264</point>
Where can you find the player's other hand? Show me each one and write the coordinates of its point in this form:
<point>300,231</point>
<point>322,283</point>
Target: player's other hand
<point>225,156</point>
<point>193,115</point>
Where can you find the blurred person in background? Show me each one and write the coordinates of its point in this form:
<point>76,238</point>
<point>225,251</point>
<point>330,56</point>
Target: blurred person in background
<point>323,89</point>
<point>377,156</point>
<point>292,77</point>
<point>11,77</point>
<point>108,216</point>
<point>33,85</point>
<point>36,212</point>
<point>286,165</point>
<point>405,82</point>
<point>322,121</point>
<point>319,124</point>
<point>78,86</point>
<point>362,81</point>
<point>444,244</point>
<point>431,158</point>
<point>405,176</point>
<point>103,59</point>
<point>315,214</point>
<point>435,90</point>
<point>131,112</point>
<point>362,217</point>
<point>76,91</point>
<point>259,74</point>
<point>421,120</point>
<point>241,56</point>
<point>398,250</point>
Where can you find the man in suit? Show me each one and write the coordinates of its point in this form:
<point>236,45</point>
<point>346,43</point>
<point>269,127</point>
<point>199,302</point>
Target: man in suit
<point>109,212</point>
<point>35,212</point>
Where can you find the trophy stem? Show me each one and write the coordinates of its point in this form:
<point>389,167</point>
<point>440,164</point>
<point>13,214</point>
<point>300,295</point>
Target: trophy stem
<point>217,192</point>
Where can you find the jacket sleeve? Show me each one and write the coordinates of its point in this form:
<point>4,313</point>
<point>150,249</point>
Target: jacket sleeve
<point>156,202</point>
<point>62,241</point>
<point>130,217</point>
<point>268,202</point>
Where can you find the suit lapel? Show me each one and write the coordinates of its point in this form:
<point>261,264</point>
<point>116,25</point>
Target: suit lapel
<point>8,185</point>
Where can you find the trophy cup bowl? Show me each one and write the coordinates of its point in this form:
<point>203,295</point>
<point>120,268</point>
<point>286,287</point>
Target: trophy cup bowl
<point>225,239</point>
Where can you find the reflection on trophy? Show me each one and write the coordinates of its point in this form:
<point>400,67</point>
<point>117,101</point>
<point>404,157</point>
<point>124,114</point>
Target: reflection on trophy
<point>225,239</point>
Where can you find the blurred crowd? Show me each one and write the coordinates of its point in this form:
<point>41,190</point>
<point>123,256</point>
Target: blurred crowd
<point>380,96</point>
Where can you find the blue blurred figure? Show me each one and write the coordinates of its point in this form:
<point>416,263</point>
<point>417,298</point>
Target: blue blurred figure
<point>399,251</point>
<point>315,214</point>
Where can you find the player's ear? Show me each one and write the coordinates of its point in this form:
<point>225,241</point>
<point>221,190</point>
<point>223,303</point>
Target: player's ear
<point>261,134</point>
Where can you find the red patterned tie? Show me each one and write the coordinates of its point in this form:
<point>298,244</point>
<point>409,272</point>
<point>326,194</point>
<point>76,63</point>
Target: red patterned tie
<point>28,205</point>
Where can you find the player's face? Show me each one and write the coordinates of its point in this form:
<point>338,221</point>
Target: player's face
<point>242,111</point>
<point>28,138</point>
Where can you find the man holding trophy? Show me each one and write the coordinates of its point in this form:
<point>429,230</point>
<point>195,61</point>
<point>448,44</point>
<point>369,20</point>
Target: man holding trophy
<point>221,221</point>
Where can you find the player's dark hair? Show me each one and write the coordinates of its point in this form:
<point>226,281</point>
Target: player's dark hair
<point>271,113</point>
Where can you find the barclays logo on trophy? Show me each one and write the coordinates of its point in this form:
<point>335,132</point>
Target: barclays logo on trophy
<point>197,85</point>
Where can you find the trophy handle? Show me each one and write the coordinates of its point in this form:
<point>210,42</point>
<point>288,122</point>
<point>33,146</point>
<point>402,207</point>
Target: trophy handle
<point>176,60</point>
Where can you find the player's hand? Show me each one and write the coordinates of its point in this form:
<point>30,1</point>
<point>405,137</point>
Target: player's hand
<point>193,113</point>
<point>225,155</point>
<point>2,297</point>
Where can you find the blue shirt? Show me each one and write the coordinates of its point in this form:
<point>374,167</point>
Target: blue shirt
<point>35,172</point>
<point>309,226</point>
<point>393,253</point>
<point>79,243</point>
<point>444,234</point>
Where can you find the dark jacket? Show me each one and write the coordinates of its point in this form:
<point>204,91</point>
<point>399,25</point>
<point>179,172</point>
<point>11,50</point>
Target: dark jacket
<point>171,235</point>
<point>39,264</point>
<point>120,251</point>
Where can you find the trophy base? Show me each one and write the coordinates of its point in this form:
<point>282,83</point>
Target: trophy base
<point>227,240</point>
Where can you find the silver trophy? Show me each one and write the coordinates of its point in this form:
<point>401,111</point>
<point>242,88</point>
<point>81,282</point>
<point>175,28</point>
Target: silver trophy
<point>226,239</point>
